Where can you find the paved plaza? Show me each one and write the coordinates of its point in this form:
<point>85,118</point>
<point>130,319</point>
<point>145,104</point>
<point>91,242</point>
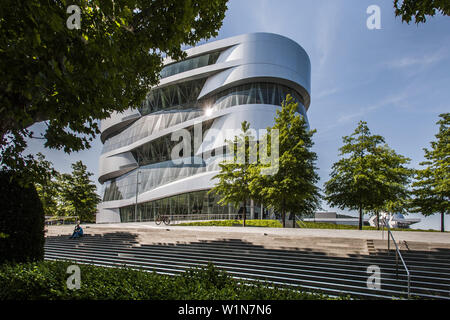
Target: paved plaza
<point>332,241</point>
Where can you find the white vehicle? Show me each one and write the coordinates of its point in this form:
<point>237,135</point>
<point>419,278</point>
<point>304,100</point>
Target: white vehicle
<point>396,220</point>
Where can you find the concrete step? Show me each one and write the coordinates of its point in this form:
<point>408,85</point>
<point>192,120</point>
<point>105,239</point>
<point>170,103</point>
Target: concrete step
<point>290,257</point>
<point>244,260</point>
<point>297,258</point>
<point>315,283</point>
<point>320,272</point>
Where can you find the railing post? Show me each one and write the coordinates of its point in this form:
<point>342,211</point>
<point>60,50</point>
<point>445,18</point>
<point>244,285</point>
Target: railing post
<point>389,242</point>
<point>409,286</point>
<point>396,262</point>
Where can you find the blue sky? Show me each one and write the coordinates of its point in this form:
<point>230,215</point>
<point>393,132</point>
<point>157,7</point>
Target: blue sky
<point>396,78</point>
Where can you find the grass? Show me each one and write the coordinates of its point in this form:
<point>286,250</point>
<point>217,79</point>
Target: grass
<point>235,223</point>
<point>277,224</point>
<point>324,225</point>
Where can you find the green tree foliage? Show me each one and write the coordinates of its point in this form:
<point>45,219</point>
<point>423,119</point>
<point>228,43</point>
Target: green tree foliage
<point>78,193</point>
<point>431,188</point>
<point>396,185</point>
<point>235,171</point>
<point>64,194</point>
<point>292,188</point>
<point>21,221</point>
<point>408,9</point>
<point>43,175</point>
<point>369,177</point>
<point>69,78</point>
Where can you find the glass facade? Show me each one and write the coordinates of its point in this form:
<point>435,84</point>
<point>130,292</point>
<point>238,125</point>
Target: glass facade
<point>153,176</point>
<point>189,64</point>
<point>147,126</point>
<point>184,96</point>
<point>169,106</point>
<point>160,149</point>
<point>253,93</point>
<point>192,203</point>
<point>156,167</point>
<point>154,157</point>
<point>180,96</point>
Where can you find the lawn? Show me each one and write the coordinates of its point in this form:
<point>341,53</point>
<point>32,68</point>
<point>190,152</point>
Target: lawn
<point>324,225</point>
<point>277,224</point>
<point>235,223</point>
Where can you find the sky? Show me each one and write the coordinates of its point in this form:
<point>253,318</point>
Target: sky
<point>396,78</point>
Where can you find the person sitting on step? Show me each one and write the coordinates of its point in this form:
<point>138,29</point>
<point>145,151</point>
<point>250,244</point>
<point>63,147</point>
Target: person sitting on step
<point>78,232</point>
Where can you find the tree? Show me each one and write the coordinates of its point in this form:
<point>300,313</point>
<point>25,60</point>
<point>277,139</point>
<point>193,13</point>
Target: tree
<point>396,181</point>
<point>408,9</point>
<point>78,193</point>
<point>431,188</point>
<point>235,173</point>
<point>371,175</point>
<point>21,221</point>
<point>69,78</point>
<point>292,188</point>
<point>47,187</point>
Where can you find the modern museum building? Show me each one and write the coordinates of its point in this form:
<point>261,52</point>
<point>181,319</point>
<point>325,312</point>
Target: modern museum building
<point>216,87</point>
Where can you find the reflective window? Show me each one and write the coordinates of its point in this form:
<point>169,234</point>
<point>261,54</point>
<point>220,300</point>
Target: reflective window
<point>189,64</point>
<point>171,105</point>
<point>179,96</point>
<point>147,126</point>
<point>184,96</point>
<point>160,149</point>
<point>253,93</point>
<point>193,203</point>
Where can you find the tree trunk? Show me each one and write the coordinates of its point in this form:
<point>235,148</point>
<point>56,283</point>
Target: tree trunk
<point>293,221</point>
<point>283,215</point>
<point>244,212</point>
<point>360,218</point>
<point>442,222</point>
<point>378,220</point>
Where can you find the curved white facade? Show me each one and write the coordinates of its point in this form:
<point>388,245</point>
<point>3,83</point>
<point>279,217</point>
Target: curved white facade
<point>218,86</point>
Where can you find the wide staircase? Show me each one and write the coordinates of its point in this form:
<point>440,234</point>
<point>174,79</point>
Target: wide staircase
<point>309,269</point>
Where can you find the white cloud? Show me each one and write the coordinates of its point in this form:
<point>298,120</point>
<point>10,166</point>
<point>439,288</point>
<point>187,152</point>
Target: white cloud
<point>326,92</point>
<point>424,60</point>
<point>326,30</point>
<point>398,99</point>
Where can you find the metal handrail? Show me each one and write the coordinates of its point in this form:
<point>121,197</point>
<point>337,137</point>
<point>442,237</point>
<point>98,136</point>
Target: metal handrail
<point>302,223</point>
<point>52,219</point>
<point>198,216</point>
<point>397,254</point>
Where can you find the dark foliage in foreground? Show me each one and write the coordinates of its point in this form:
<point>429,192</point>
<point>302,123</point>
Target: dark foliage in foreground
<point>47,280</point>
<point>21,221</point>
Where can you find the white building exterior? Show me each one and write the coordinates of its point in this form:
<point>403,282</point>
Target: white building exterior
<point>219,85</point>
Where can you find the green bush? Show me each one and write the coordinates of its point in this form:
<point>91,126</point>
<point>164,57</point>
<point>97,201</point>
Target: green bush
<point>47,280</point>
<point>21,222</point>
<point>327,225</point>
<point>235,223</point>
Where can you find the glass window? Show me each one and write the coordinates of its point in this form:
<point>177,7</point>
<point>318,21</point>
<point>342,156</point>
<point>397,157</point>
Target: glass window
<point>168,106</point>
<point>189,64</point>
<point>198,202</point>
<point>180,96</point>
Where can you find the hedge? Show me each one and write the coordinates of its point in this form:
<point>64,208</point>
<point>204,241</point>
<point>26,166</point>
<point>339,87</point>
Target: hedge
<point>46,280</point>
<point>21,222</point>
<point>235,223</point>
